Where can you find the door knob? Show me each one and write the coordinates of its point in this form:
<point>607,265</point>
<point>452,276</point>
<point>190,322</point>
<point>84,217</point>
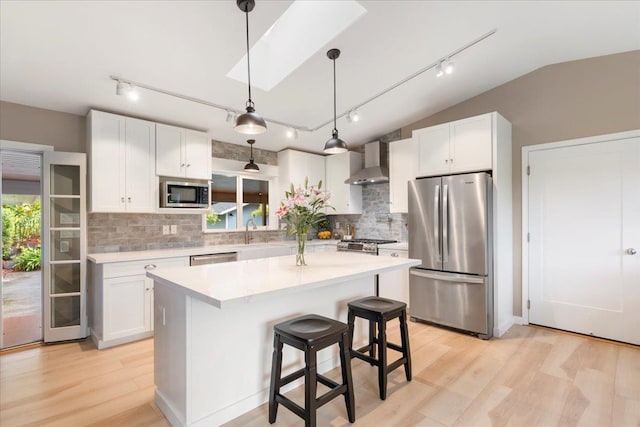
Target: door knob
<point>631,251</point>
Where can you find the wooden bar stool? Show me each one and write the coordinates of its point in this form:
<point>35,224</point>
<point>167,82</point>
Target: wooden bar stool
<point>310,334</point>
<point>379,311</point>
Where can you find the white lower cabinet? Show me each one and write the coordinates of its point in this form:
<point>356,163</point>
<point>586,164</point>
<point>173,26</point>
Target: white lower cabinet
<point>394,284</point>
<point>121,299</point>
<point>127,307</point>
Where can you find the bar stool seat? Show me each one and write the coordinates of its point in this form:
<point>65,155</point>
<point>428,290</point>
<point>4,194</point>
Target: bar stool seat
<point>310,333</point>
<point>379,311</point>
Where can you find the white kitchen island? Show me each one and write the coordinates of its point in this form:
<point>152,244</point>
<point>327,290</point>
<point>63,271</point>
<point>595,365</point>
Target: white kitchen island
<point>214,326</point>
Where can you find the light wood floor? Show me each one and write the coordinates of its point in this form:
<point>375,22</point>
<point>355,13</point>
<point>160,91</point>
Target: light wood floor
<point>530,377</point>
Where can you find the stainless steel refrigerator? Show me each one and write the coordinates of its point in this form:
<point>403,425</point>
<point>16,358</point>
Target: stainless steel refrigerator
<point>450,231</point>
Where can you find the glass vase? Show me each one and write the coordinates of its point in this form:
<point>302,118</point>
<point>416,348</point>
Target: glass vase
<point>301,239</point>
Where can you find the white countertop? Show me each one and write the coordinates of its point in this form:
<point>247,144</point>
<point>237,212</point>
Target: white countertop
<point>226,284</point>
<point>108,257</point>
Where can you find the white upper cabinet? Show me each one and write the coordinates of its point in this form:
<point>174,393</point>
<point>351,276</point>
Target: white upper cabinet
<point>433,150</point>
<point>345,198</point>
<point>294,166</point>
<point>121,157</point>
<point>182,153</point>
<point>402,169</point>
<point>460,146</point>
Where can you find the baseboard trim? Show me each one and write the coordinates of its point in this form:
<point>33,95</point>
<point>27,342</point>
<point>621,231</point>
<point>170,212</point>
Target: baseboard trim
<point>501,329</point>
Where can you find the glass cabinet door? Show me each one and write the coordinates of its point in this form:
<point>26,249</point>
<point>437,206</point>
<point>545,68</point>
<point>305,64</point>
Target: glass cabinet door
<point>65,246</point>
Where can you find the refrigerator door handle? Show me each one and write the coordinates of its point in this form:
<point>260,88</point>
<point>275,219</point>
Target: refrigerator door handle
<point>445,223</point>
<point>436,221</point>
<point>447,277</point>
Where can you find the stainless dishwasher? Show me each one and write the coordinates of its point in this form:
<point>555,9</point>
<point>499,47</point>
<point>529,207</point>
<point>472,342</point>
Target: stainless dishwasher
<point>213,258</point>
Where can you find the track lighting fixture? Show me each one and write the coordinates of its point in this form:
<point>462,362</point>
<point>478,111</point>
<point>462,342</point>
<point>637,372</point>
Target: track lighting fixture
<point>448,68</point>
<point>292,133</point>
<point>442,65</point>
<point>334,145</point>
<point>353,116</point>
<point>251,166</point>
<point>128,89</point>
<point>250,123</point>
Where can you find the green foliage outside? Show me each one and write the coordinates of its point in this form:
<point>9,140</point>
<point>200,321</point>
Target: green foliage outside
<point>258,211</point>
<point>213,218</point>
<point>20,223</point>
<point>28,260</point>
<point>21,234</point>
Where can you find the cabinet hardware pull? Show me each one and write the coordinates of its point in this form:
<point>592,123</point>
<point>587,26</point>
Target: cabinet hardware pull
<point>182,165</point>
<point>129,198</point>
<point>122,199</point>
<point>395,254</point>
<point>150,266</point>
<point>188,165</point>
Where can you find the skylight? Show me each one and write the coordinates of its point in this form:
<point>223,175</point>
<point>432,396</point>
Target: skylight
<point>304,28</point>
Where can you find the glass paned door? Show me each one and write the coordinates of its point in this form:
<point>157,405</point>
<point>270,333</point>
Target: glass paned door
<point>64,255</point>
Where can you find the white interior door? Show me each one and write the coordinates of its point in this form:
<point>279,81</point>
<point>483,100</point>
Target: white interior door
<point>64,246</point>
<point>584,225</point>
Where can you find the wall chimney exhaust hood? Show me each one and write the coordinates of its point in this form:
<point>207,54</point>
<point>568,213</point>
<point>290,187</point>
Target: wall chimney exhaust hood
<point>376,165</point>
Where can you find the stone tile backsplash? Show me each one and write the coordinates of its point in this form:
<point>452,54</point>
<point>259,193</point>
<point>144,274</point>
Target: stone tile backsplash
<point>375,222</point>
<point>120,232</point>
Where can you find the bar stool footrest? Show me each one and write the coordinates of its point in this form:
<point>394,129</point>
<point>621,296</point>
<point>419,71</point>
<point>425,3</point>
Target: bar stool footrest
<point>291,405</point>
<point>327,381</point>
<point>365,357</point>
<point>396,364</point>
<point>292,377</point>
<point>330,395</point>
<point>395,347</point>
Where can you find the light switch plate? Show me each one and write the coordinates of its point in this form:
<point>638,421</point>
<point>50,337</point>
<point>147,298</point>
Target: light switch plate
<point>174,228</point>
<point>165,229</point>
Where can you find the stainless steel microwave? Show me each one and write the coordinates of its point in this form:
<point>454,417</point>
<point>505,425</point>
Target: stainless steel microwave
<point>179,194</point>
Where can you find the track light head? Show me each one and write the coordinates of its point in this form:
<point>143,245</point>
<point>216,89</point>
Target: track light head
<point>133,94</point>
<point>448,68</point>
<point>292,133</point>
<point>128,89</point>
<point>121,88</point>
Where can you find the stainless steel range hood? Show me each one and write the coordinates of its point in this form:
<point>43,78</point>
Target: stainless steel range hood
<point>376,165</point>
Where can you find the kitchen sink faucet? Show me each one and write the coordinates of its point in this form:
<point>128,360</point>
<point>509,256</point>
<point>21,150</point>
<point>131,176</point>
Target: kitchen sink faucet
<point>247,238</point>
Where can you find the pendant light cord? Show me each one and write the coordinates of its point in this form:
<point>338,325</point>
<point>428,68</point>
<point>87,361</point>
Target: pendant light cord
<point>246,14</point>
<point>335,127</point>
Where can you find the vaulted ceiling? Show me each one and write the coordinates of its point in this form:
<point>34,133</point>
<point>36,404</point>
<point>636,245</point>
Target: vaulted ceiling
<point>59,55</point>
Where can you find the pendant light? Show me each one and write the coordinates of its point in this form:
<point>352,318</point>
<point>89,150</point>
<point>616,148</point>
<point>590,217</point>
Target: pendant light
<point>251,166</point>
<point>250,123</point>
<point>335,145</point>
